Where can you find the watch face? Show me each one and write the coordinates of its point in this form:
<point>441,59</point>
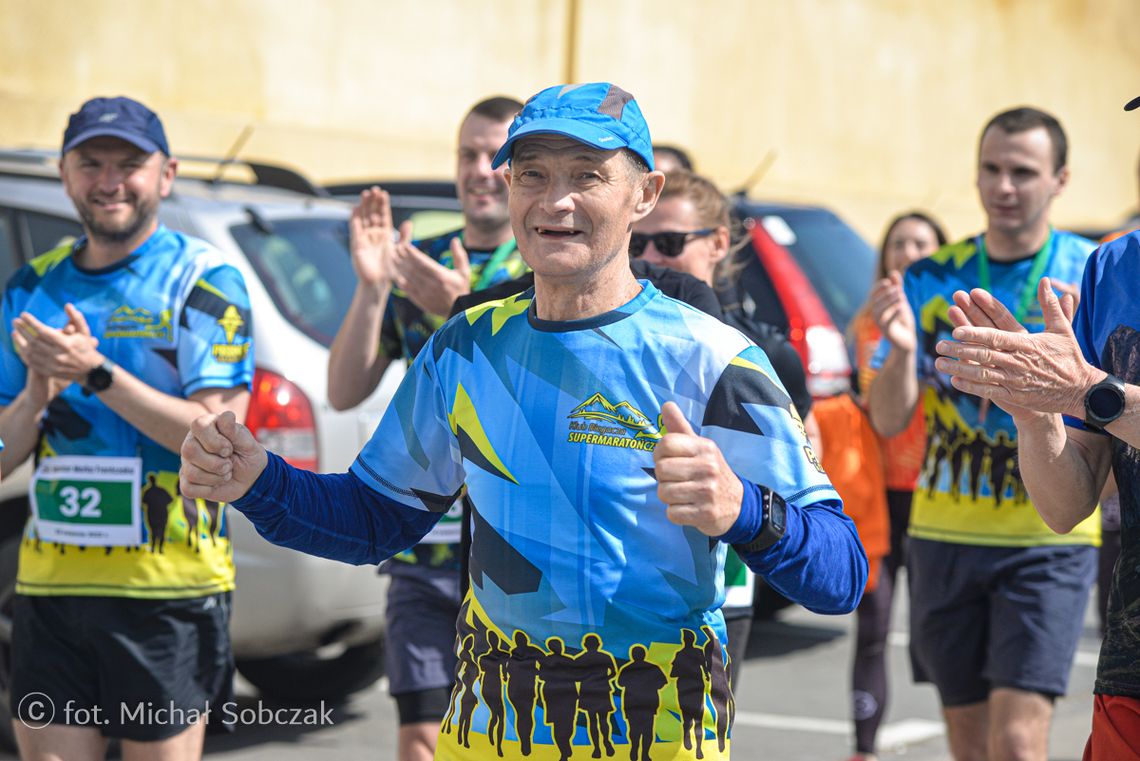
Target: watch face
<point>777,516</point>
<point>1105,402</point>
<point>99,379</point>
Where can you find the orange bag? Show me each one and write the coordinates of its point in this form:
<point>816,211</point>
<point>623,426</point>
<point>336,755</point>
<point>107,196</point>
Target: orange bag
<point>854,463</point>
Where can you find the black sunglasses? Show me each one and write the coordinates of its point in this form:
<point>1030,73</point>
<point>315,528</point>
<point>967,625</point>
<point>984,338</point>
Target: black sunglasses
<point>669,244</point>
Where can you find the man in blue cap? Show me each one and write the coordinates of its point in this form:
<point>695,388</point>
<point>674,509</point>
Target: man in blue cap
<point>119,340</point>
<point>614,442</point>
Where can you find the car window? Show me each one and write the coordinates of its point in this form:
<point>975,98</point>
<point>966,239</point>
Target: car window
<point>428,223</point>
<point>48,232</point>
<point>839,263</point>
<point>306,268</point>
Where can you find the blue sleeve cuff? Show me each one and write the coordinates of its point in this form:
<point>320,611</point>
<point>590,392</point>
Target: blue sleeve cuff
<point>751,519</point>
<point>263,485</point>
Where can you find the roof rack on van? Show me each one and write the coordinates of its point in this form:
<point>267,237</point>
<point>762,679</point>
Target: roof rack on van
<point>41,162</point>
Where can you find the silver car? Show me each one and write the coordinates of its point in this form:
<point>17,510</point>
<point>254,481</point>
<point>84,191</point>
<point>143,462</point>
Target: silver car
<point>303,627</point>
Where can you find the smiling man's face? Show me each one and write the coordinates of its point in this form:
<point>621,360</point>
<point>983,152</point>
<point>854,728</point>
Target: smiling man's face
<point>572,206</point>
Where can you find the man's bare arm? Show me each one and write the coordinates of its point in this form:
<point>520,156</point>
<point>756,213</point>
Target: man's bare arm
<point>356,363</point>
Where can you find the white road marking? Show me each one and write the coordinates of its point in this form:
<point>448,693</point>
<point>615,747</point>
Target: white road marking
<point>896,734</point>
<point>899,734</point>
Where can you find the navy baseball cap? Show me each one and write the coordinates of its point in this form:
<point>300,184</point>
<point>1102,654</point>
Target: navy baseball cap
<point>1133,104</point>
<point>599,114</point>
<point>120,117</point>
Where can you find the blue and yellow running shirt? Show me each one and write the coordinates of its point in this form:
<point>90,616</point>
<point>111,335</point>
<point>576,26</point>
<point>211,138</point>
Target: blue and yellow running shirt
<point>969,490</point>
<point>176,316</point>
<point>584,597</point>
<point>404,332</point>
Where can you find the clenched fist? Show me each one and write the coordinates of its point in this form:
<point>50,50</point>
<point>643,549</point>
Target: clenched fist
<point>220,459</point>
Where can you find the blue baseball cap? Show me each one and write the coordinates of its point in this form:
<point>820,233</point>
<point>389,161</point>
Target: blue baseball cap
<point>120,117</point>
<point>599,114</point>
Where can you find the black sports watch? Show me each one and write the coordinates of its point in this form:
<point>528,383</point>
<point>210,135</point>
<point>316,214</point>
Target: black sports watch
<point>1104,402</point>
<point>774,523</point>
<point>99,378</point>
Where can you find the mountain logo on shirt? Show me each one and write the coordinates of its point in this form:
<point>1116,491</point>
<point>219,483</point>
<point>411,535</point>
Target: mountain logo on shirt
<point>599,421</point>
<point>129,322</point>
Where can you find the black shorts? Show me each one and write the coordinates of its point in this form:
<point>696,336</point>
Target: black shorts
<point>140,670</point>
<point>419,653</point>
<point>986,617</point>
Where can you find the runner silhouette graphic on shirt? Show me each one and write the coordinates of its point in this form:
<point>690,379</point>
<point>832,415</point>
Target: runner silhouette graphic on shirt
<point>595,671</point>
<point>1002,467</point>
<point>640,682</point>
<point>559,696</point>
<point>468,675</point>
<point>214,513</point>
<point>157,501</point>
<point>491,669</point>
<point>689,670</point>
<point>522,686</point>
<point>190,510</point>
<point>718,677</point>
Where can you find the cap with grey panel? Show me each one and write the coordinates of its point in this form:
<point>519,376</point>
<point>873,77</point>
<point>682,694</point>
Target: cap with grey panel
<point>599,114</point>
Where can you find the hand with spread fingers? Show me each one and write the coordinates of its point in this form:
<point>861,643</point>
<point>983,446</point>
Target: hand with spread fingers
<point>892,312</point>
<point>372,240</point>
<point>67,353</point>
<point>427,283</point>
<point>693,479</point>
<point>220,459</point>
<point>994,357</point>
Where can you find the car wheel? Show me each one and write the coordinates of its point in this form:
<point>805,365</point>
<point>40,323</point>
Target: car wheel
<point>308,676</point>
<point>9,558</point>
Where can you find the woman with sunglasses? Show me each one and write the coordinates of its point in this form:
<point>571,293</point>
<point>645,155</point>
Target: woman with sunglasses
<point>909,237</point>
<point>688,231</point>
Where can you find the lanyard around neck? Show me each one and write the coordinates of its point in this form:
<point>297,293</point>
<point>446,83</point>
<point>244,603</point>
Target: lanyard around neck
<point>501,252</point>
<point>1029,287</point>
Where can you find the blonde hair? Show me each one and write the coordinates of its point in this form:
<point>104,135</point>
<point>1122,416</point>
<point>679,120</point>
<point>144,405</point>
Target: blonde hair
<point>713,210</point>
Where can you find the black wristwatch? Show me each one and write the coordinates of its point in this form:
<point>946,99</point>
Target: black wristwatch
<point>774,523</point>
<point>99,378</point>
<point>1104,402</point>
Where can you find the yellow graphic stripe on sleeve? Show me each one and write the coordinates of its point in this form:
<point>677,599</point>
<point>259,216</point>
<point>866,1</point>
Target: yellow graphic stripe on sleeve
<point>44,262</point>
<point>739,362</point>
<point>463,416</point>
<point>210,289</point>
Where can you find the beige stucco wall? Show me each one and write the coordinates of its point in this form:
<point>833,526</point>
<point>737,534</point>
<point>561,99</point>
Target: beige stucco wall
<point>870,106</point>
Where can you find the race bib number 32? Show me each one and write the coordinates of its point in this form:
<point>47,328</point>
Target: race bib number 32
<point>88,500</point>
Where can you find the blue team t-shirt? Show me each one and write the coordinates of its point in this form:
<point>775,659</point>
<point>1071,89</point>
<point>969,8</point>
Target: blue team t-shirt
<point>578,577</point>
<point>175,315</point>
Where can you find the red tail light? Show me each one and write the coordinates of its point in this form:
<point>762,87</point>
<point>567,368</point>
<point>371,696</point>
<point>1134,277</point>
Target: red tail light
<point>281,418</point>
